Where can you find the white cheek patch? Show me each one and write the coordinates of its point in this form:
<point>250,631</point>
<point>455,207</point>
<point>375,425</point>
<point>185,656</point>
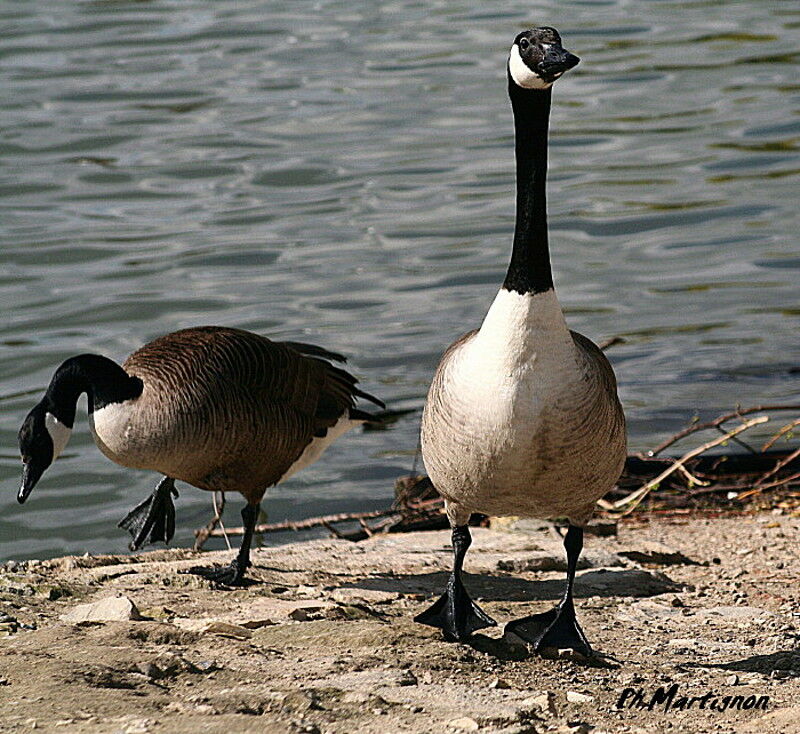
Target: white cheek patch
<point>522,75</point>
<point>59,433</point>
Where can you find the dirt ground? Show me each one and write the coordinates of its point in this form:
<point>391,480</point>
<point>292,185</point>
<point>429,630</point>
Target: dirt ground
<point>323,640</point>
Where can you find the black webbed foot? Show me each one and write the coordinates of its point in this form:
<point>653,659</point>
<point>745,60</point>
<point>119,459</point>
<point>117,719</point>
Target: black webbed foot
<point>455,613</point>
<point>556,628</point>
<point>230,575</point>
<point>154,519</point>
<point>233,573</point>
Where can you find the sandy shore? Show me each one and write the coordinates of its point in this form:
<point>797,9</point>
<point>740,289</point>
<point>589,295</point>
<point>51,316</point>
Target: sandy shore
<point>323,640</point>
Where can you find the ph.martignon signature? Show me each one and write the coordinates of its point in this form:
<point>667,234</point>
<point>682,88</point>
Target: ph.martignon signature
<point>670,700</point>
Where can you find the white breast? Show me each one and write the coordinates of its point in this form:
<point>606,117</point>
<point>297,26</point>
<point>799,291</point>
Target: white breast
<point>113,432</point>
<point>505,414</point>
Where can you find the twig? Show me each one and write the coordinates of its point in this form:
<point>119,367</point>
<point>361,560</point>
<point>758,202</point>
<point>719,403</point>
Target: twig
<point>788,427</point>
<point>718,421</point>
<point>787,460</point>
<point>634,498</point>
<point>203,534</point>
<point>771,485</point>
<point>741,443</point>
<point>219,514</point>
<point>311,522</point>
<point>691,477</point>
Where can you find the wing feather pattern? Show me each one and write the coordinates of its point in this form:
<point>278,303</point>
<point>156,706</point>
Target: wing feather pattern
<point>239,408</point>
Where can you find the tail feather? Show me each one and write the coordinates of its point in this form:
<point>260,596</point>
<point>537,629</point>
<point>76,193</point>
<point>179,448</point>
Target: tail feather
<point>371,398</point>
<point>362,415</point>
<point>312,350</point>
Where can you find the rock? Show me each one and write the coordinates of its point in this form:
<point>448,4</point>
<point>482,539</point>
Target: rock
<point>556,560</point>
<point>226,629</point>
<point>206,666</point>
<point>732,680</point>
<point>648,551</point>
<point>407,678</point>
<point>649,611</point>
<point>465,723</point>
<point>363,596</point>
<point>576,697</point>
<point>305,613</point>
<point>149,670</point>
<point>544,702</point>
<point>110,609</point>
<point>573,728</point>
<point>169,664</point>
<point>499,683</point>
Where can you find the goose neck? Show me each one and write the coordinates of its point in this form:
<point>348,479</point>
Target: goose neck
<point>529,270</point>
<point>103,380</point>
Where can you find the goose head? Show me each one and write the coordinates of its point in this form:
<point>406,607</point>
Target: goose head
<point>42,438</point>
<point>537,58</point>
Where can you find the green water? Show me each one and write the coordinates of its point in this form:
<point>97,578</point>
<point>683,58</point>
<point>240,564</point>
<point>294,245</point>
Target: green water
<point>343,173</point>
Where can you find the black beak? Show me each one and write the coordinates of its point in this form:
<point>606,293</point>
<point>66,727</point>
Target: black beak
<point>556,61</point>
<point>31,473</point>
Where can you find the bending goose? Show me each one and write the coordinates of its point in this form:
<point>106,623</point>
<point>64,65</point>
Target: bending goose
<point>219,408</point>
<point>522,416</point>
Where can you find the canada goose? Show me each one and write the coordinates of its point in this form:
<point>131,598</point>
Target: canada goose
<point>219,408</point>
<point>522,416</point>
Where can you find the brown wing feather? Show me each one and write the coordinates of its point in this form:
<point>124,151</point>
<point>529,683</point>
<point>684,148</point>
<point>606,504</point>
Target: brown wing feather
<point>241,407</point>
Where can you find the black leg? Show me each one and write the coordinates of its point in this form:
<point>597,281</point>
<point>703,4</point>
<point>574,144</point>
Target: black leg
<point>154,519</point>
<point>233,574</point>
<point>557,628</point>
<point>454,612</point>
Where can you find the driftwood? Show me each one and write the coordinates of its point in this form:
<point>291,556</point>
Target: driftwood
<point>693,481</point>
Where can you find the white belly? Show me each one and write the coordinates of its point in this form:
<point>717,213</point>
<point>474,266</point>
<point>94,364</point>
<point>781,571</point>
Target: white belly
<point>318,446</point>
<point>513,426</point>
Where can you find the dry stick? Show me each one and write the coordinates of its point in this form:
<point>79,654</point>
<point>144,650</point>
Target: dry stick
<point>692,478</point>
<point>311,522</point>
<point>771,485</point>
<point>788,427</point>
<point>203,534</point>
<point>738,487</point>
<point>787,460</point>
<point>218,513</point>
<point>634,498</point>
<point>714,424</point>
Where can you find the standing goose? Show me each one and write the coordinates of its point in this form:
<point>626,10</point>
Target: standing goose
<point>522,416</point>
<point>219,408</point>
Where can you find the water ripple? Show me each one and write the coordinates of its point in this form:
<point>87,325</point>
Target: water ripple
<point>350,181</point>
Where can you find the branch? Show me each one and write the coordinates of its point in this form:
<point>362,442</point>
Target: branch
<point>787,460</point>
<point>788,427</point>
<point>312,522</point>
<point>634,498</point>
<point>718,421</point>
<point>204,533</point>
<point>771,485</point>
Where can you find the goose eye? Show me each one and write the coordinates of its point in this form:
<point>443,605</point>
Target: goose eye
<point>523,44</point>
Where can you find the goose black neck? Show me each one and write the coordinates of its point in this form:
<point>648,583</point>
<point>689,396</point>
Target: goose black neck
<point>529,270</point>
<point>103,380</point>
